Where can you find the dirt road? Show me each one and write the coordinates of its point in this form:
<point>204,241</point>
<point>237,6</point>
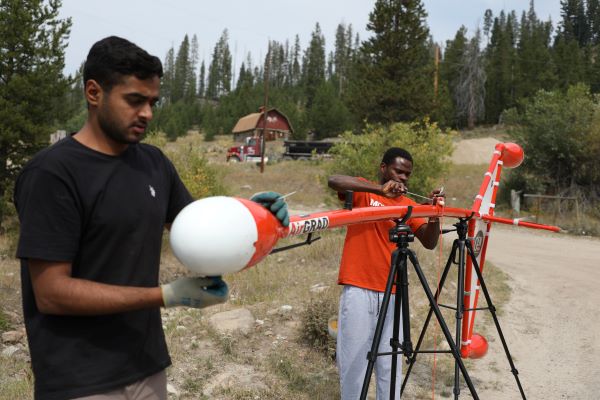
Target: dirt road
<point>551,321</point>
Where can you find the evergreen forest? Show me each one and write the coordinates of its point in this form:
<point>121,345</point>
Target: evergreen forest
<point>517,70</point>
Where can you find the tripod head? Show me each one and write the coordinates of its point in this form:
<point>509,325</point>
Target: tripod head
<point>401,234</point>
<point>462,227</point>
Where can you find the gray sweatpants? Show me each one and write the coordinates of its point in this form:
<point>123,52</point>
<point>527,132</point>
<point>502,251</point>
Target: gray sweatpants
<point>358,313</point>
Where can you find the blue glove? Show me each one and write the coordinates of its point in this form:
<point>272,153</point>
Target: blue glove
<point>195,292</point>
<point>275,204</point>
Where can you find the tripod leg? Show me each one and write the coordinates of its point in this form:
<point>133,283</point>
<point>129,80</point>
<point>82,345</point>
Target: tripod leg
<point>492,309</point>
<point>407,347</point>
<point>397,257</point>
<point>438,292</point>
<point>442,322</point>
<point>399,307</point>
<point>460,292</point>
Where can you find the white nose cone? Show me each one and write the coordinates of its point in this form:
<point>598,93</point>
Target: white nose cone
<point>214,236</point>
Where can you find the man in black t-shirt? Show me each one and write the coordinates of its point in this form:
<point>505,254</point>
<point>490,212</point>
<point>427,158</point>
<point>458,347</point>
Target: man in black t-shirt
<point>92,209</point>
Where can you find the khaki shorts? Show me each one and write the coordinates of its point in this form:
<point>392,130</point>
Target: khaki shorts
<point>153,387</point>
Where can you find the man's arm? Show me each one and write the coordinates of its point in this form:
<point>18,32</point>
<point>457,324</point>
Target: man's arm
<point>57,292</point>
<point>429,233</point>
<point>342,183</point>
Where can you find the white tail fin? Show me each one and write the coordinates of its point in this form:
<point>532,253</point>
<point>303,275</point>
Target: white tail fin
<point>479,231</point>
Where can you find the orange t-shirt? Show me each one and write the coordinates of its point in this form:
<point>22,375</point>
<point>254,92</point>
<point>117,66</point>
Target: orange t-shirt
<point>367,251</point>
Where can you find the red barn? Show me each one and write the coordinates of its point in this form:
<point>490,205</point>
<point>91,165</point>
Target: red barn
<point>278,126</point>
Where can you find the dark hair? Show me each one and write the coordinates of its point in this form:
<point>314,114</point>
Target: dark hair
<point>113,57</point>
<point>394,152</point>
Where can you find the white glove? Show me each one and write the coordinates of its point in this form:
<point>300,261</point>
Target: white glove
<point>195,292</point>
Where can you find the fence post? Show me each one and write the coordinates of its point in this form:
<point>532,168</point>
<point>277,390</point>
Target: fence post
<point>577,212</point>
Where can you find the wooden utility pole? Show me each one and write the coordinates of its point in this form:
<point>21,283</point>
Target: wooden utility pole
<point>265,111</point>
<point>436,73</point>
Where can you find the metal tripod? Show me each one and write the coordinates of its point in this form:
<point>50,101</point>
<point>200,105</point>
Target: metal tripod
<point>462,246</point>
<point>402,235</point>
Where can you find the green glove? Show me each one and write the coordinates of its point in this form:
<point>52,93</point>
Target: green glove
<point>275,204</point>
<point>195,292</point>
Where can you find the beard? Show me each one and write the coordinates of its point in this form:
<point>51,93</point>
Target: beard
<point>114,130</point>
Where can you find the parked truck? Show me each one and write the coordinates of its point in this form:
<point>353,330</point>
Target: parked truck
<point>294,150</point>
<point>249,151</point>
<point>304,150</point>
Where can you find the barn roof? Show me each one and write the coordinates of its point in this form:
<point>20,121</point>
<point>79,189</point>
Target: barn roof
<point>247,123</point>
<point>250,121</point>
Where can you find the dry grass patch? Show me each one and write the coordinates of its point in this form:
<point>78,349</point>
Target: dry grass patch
<point>306,178</point>
<point>462,183</point>
<point>272,360</point>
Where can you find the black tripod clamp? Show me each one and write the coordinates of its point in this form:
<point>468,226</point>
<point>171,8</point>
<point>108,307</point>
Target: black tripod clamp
<point>462,227</point>
<point>401,234</point>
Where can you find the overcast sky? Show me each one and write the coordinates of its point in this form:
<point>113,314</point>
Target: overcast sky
<point>157,25</point>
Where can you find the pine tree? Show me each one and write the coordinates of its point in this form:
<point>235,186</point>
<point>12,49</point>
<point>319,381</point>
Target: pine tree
<point>342,56</point>
<point>534,60</point>
<point>328,116</point>
<point>500,68</point>
<point>569,57</point>
<point>168,74</point>
<point>488,18</point>
<point>277,65</point>
<point>212,85</point>
<point>393,78</point>
<point>593,20</point>
<point>72,111</point>
<point>450,68</point>
<point>314,65</point>
<point>219,71</point>
<point>182,71</point>
<point>226,63</point>
<point>287,65</point>
<point>191,89</point>
<point>32,45</point>
<point>202,81</point>
<point>574,24</point>
<point>295,62</point>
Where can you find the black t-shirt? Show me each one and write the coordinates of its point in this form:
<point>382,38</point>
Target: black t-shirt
<point>106,215</point>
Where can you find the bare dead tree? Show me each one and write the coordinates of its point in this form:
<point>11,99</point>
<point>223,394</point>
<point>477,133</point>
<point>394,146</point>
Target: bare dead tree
<point>470,87</point>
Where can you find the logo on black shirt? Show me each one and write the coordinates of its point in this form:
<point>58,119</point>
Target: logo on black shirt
<point>152,191</point>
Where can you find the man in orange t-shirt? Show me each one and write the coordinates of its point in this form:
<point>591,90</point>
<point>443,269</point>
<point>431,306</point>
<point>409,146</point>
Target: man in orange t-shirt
<point>364,271</point>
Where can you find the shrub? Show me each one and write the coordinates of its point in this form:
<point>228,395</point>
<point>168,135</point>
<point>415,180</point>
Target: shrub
<point>560,135</point>
<point>200,178</point>
<point>360,155</point>
<point>314,320</point>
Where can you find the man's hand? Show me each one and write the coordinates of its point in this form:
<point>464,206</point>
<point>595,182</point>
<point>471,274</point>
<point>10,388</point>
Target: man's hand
<point>392,189</point>
<point>195,292</point>
<point>275,203</point>
<point>438,196</point>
